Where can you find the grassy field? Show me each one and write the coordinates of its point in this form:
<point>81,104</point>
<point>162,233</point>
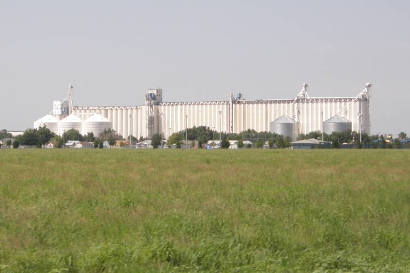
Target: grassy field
<point>204,211</point>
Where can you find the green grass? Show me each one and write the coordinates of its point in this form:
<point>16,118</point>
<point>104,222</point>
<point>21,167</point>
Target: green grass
<point>204,211</point>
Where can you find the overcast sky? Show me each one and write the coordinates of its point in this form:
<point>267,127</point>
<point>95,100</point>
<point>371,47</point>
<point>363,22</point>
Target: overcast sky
<point>112,51</point>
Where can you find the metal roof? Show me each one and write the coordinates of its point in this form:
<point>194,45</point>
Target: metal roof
<point>307,141</point>
<point>284,119</point>
<point>337,118</point>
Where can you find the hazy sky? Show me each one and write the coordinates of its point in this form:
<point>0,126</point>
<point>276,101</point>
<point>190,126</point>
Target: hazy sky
<point>112,51</point>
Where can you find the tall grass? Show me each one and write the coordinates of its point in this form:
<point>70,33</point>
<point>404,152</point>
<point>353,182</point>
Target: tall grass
<point>204,211</point>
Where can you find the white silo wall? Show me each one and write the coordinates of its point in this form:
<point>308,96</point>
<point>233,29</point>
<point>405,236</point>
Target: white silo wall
<point>96,124</point>
<point>226,116</point>
<point>48,121</point>
<point>68,123</point>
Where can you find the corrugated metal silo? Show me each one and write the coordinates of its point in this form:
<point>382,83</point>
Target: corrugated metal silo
<point>284,126</point>
<point>337,124</point>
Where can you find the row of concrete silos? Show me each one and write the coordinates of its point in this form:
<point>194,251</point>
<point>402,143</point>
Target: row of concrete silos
<point>288,127</point>
<point>95,124</point>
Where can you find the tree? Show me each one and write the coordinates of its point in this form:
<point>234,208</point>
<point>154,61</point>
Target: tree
<point>8,143</point>
<point>30,137</point>
<point>382,141</point>
<point>225,143</point>
<point>111,136</point>
<point>335,143</point>
<point>396,143</point>
<point>280,142</point>
<point>133,140</point>
<point>259,144</point>
<point>44,135</point>
<point>96,142</point>
<point>176,139</point>
<point>4,134</point>
<point>57,141</point>
<point>402,135</point>
<point>72,134</point>
<point>240,143</point>
<point>16,144</point>
<point>156,140</point>
<point>89,137</point>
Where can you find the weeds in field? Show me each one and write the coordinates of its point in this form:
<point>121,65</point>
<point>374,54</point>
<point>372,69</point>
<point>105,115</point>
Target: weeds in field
<point>204,211</point>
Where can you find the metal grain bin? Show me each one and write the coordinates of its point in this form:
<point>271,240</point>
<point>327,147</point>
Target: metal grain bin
<point>337,124</point>
<point>284,126</point>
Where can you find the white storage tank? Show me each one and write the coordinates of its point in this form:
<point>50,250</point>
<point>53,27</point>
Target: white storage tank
<point>284,126</point>
<point>49,121</point>
<point>68,123</point>
<point>96,124</point>
<point>337,124</point>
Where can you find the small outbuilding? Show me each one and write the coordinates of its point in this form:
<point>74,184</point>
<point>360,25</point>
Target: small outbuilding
<point>309,144</point>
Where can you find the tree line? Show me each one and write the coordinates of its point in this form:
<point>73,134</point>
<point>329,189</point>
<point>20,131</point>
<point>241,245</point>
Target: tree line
<point>41,136</point>
<point>202,134</point>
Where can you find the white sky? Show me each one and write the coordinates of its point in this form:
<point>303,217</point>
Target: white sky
<point>112,51</point>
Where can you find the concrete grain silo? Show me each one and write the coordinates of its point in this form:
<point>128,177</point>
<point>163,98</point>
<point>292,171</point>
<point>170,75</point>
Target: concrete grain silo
<point>68,123</point>
<point>96,124</point>
<point>49,121</point>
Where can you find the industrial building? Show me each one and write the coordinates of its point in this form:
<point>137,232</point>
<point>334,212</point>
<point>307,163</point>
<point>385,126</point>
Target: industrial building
<point>290,117</point>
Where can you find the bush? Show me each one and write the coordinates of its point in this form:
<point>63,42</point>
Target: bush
<point>72,134</point>
<point>30,137</point>
<point>5,134</point>
<point>89,137</point>
<point>259,144</point>
<point>156,140</point>
<point>111,136</point>
<point>16,144</point>
<point>176,139</point>
<point>97,142</point>
<point>44,135</point>
<point>225,143</point>
<point>57,141</point>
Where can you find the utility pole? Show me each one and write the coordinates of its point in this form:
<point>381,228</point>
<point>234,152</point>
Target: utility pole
<point>131,129</point>
<point>321,122</point>
<point>186,130</point>
<point>220,125</point>
<point>360,128</point>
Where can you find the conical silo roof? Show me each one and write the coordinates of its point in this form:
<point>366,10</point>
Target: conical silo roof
<point>337,118</point>
<point>284,119</point>
<point>97,118</point>
<point>71,118</point>
<point>47,118</point>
